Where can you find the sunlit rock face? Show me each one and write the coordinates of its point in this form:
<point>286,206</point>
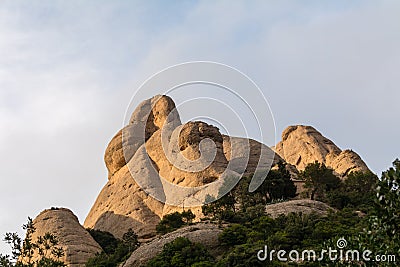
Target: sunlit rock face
<point>156,151</point>
<point>77,244</point>
<point>302,145</point>
<point>157,155</point>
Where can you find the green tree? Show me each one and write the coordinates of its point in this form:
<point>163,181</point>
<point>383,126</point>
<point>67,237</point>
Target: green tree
<point>222,209</point>
<point>383,233</point>
<point>43,251</point>
<point>243,256</point>
<point>182,253</point>
<point>188,216</point>
<point>130,240</point>
<point>173,221</point>
<point>105,239</point>
<point>319,180</point>
<point>115,251</point>
<point>239,205</point>
<point>356,191</point>
<point>277,185</point>
<point>236,234</point>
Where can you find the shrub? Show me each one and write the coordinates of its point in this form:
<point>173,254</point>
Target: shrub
<point>173,221</point>
<point>182,253</point>
<point>105,239</point>
<point>319,180</point>
<point>236,234</point>
<point>239,205</point>
<point>356,191</point>
<point>382,235</point>
<point>46,247</point>
<point>115,251</point>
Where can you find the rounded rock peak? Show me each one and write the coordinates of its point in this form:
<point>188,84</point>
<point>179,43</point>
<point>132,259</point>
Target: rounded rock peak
<point>302,145</point>
<point>57,212</point>
<point>155,112</point>
<point>78,245</point>
<point>163,108</point>
<point>149,116</point>
<point>300,129</point>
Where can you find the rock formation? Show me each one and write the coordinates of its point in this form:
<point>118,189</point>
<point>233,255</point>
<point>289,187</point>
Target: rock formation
<point>206,234</point>
<point>301,145</point>
<point>121,205</point>
<point>77,243</point>
<point>304,206</point>
<point>155,154</point>
<point>190,137</point>
<point>159,153</point>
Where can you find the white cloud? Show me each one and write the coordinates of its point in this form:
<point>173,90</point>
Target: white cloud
<point>333,68</point>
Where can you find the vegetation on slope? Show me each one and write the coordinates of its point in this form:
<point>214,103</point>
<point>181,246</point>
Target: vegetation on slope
<point>368,217</point>
<point>356,191</point>
<point>115,251</point>
<point>239,205</point>
<point>42,252</point>
<point>366,221</point>
<point>173,221</point>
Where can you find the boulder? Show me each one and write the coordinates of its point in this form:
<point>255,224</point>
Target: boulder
<point>304,206</point>
<point>206,234</point>
<point>77,243</point>
<point>122,204</point>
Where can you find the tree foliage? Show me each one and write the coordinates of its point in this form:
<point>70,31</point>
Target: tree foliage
<point>319,180</point>
<point>115,251</point>
<point>356,191</point>
<point>240,205</point>
<point>383,233</point>
<point>173,221</point>
<point>182,253</point>
<point>241,242</point>
<point>43,251</point>
<point>278,185</point>
<point>105,239</point>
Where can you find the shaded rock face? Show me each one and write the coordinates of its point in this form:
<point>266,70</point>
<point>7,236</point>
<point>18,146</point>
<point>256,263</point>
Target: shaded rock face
<point>156,149</point>
<point>206,234</point>
<point>302,145</point>
<point>122,204</point>
<point>304,206</point>
<point>77,243</point>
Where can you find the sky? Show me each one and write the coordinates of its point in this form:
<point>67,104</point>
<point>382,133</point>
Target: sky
<point>68,70</point>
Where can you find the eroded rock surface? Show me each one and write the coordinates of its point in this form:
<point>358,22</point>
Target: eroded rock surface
<point>206,234</point>
<point>304,206</point>
<point>301,145</point>
<point>77,243</point>
<point>159,152</point>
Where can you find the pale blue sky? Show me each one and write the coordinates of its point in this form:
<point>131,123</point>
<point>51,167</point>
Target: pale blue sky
<point>69,68</point>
